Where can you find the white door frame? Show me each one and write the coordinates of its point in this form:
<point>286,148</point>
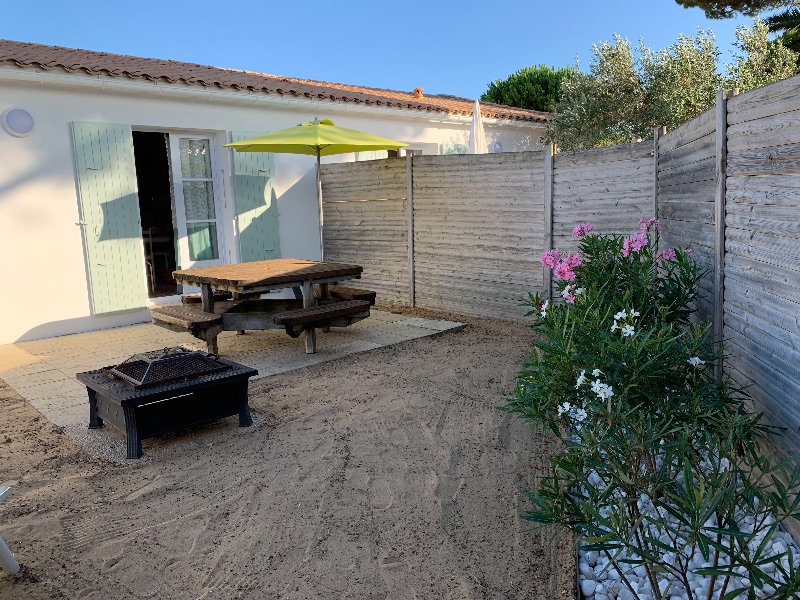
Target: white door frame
<point>177,191</point>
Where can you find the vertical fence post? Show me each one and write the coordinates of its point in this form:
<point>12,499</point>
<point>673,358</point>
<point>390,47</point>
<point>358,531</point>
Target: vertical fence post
<point>549,150</point>
<point>719,222</point>
<point>658,133</point>
<point>410,232</point>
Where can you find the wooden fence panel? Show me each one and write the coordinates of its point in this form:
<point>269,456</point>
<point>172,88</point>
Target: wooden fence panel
<point>365,215</point>
<point>762,259</point>
<point>610,187</point>
<point>478,231</point>
<point>686,184</point>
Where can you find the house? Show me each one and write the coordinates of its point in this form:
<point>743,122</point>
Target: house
<point>114,174</point>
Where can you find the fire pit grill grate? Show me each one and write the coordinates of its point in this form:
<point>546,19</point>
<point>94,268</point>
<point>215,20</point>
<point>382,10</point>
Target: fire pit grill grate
<point>149,369</point>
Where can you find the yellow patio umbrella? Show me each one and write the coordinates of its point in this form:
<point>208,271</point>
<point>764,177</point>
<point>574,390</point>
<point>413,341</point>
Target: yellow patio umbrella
<point>316,138</point>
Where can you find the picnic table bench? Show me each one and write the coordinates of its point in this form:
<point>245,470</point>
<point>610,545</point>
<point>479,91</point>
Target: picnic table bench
<point>230,299</point>
<point>323,315</point>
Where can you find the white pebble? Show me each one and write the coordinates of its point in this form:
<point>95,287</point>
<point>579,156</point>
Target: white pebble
<point>588,586</point>
<point>662,585</point>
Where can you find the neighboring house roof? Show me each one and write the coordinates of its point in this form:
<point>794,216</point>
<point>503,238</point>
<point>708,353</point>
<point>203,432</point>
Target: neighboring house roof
<point>25,54</point>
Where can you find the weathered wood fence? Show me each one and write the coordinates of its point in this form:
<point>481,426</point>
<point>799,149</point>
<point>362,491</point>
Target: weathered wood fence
<point>464,232</point>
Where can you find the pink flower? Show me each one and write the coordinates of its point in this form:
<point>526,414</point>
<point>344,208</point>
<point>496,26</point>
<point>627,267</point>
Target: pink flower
<point>582,229</point>
<point>668,254</point>
<point>564,271</point>
<point>551,258</point>
<point>568,294</point>
<point>634,243</point>
<point>573,260</point>
<point>644,226</point>
<point>688,251</point>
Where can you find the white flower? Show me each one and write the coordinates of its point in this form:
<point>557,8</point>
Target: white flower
<point>628,331</point>
<point>543,310</point>
<point>614,327</point>
<point>597,373</point>
<point>634,313</point>
<point>696,361</point>
<point>564,408</point>
<point>581,379</point>
<point>603,391</point>
<point>620,315</point>
<point>579,415</point>
<point>579,291</point>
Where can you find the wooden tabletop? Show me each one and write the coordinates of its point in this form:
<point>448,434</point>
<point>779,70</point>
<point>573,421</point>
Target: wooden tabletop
<point>266,273</point>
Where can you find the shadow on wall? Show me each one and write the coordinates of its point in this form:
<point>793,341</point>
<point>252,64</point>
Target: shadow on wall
<point>112,210</point>
<point>259,234</point>
<point>83,324</point>
<point>32,175</point>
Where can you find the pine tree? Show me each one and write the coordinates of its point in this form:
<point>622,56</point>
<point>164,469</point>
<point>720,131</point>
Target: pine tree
<point>725,9</point>
<point>787,22</point>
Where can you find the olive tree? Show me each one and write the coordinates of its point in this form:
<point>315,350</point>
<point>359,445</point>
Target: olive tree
<point>629,91</point>
<point>760,60</point>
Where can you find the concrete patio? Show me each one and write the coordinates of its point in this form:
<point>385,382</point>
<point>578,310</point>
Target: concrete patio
<point>43,371</point>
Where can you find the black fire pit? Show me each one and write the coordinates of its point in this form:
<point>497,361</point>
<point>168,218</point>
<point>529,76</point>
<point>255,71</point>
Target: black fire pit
<point>160,392</point>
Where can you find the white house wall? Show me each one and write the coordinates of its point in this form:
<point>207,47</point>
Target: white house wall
<point>46,292</point>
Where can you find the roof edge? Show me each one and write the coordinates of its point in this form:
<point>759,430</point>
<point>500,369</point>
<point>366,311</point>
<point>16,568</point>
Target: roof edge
<point>26,55</point>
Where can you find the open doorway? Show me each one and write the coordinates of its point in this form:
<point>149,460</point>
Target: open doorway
<point>151,155</point>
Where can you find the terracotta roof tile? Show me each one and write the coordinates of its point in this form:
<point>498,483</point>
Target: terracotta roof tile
<point>25,54</point>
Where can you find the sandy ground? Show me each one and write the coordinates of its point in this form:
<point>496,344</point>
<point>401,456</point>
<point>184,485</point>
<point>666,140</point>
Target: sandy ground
<point>388,474</point>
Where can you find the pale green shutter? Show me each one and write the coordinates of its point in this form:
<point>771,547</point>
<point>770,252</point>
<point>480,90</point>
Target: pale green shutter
<point>109,208</point>
<point>256,202</point>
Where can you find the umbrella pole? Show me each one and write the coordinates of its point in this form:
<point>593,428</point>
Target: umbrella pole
<point>319,210</point>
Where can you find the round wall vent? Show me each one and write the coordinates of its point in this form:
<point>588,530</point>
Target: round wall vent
<point>17,121</point>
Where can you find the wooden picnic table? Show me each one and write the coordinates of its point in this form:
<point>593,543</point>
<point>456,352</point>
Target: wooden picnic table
<point>250,279</point>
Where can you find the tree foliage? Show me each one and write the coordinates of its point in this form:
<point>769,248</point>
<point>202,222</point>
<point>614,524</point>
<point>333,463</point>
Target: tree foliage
<point>629,91</point>
<point>534,88</point>
<point>760,60</point>
<point>725,9</point>
<point>787,23</point>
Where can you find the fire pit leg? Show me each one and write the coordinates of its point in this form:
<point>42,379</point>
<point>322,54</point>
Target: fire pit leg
<point>132,432</point>
<point>245,420</point>
<point>95,422</point>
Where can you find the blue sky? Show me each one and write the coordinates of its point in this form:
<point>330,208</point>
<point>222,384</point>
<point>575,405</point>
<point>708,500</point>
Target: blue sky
<point>444,47</point>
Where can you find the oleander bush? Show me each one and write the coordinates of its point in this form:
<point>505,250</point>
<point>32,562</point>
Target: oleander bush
<point>660,474</point>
